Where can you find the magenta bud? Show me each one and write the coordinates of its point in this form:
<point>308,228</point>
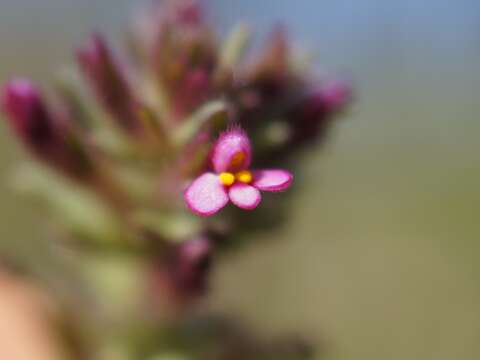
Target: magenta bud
<point>310,118</point>
<point>188,12</point>
<point>335,94</point>
<point>108,81</point>
<point>270,74</point>
<point>192,264</point>
<point>42,131</point>
<point>193,91</point>
<point>181,276</point>
<point>27,113</point>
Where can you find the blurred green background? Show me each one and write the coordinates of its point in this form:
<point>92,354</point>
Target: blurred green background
<point>380,257</point>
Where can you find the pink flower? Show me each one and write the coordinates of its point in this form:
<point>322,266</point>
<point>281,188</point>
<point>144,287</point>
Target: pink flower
<point>232,179</point>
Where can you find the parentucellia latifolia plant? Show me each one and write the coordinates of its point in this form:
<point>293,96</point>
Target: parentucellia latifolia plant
<point>136,166</point>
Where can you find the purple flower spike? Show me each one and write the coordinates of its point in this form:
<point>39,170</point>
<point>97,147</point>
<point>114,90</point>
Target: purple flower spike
<point>108,81</point>
<point>27,113</point>
<point>232,180</point>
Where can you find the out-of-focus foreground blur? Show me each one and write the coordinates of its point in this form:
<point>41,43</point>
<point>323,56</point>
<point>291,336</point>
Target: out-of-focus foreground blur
<point>380,256</point>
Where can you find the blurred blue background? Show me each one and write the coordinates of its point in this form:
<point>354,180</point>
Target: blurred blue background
<point>381,257</point>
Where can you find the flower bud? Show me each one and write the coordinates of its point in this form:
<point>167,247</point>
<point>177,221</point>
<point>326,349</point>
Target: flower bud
<point>271,72</point>
<point>108,82</point>
<point>192,92</point>
<point>336,94</point>
<point>187,12</point>
<point>182,54</point>
<point>192,265</point>
<point>41,130</point>
<point>179,278</point>
<point>27,114</point>
<point>311,116</point>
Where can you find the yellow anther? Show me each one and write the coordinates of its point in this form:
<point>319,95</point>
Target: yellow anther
<point>227,178</point>
<point>237,159</point>
<point>244,176</point>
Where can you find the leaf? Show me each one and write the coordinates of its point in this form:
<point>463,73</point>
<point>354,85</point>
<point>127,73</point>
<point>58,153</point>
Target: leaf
<point>213,113</point>
<point>171,226</point>
<point>81,212</point>
<point>151,123</point>
<point>117,278</point>
<point>72,100</point>
<point>234,46</point>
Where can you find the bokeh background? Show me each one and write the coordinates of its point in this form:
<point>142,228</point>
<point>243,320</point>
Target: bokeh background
<point>380,257</point>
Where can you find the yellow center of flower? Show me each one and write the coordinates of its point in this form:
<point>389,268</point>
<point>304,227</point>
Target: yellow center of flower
<point>227,178</point>
<point>244,176</point>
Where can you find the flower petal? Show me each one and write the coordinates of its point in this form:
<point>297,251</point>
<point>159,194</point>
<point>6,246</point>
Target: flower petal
<point>272,179</point>
<point>232,152</point>
<point>244,196</point>
<point>206,195</point>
